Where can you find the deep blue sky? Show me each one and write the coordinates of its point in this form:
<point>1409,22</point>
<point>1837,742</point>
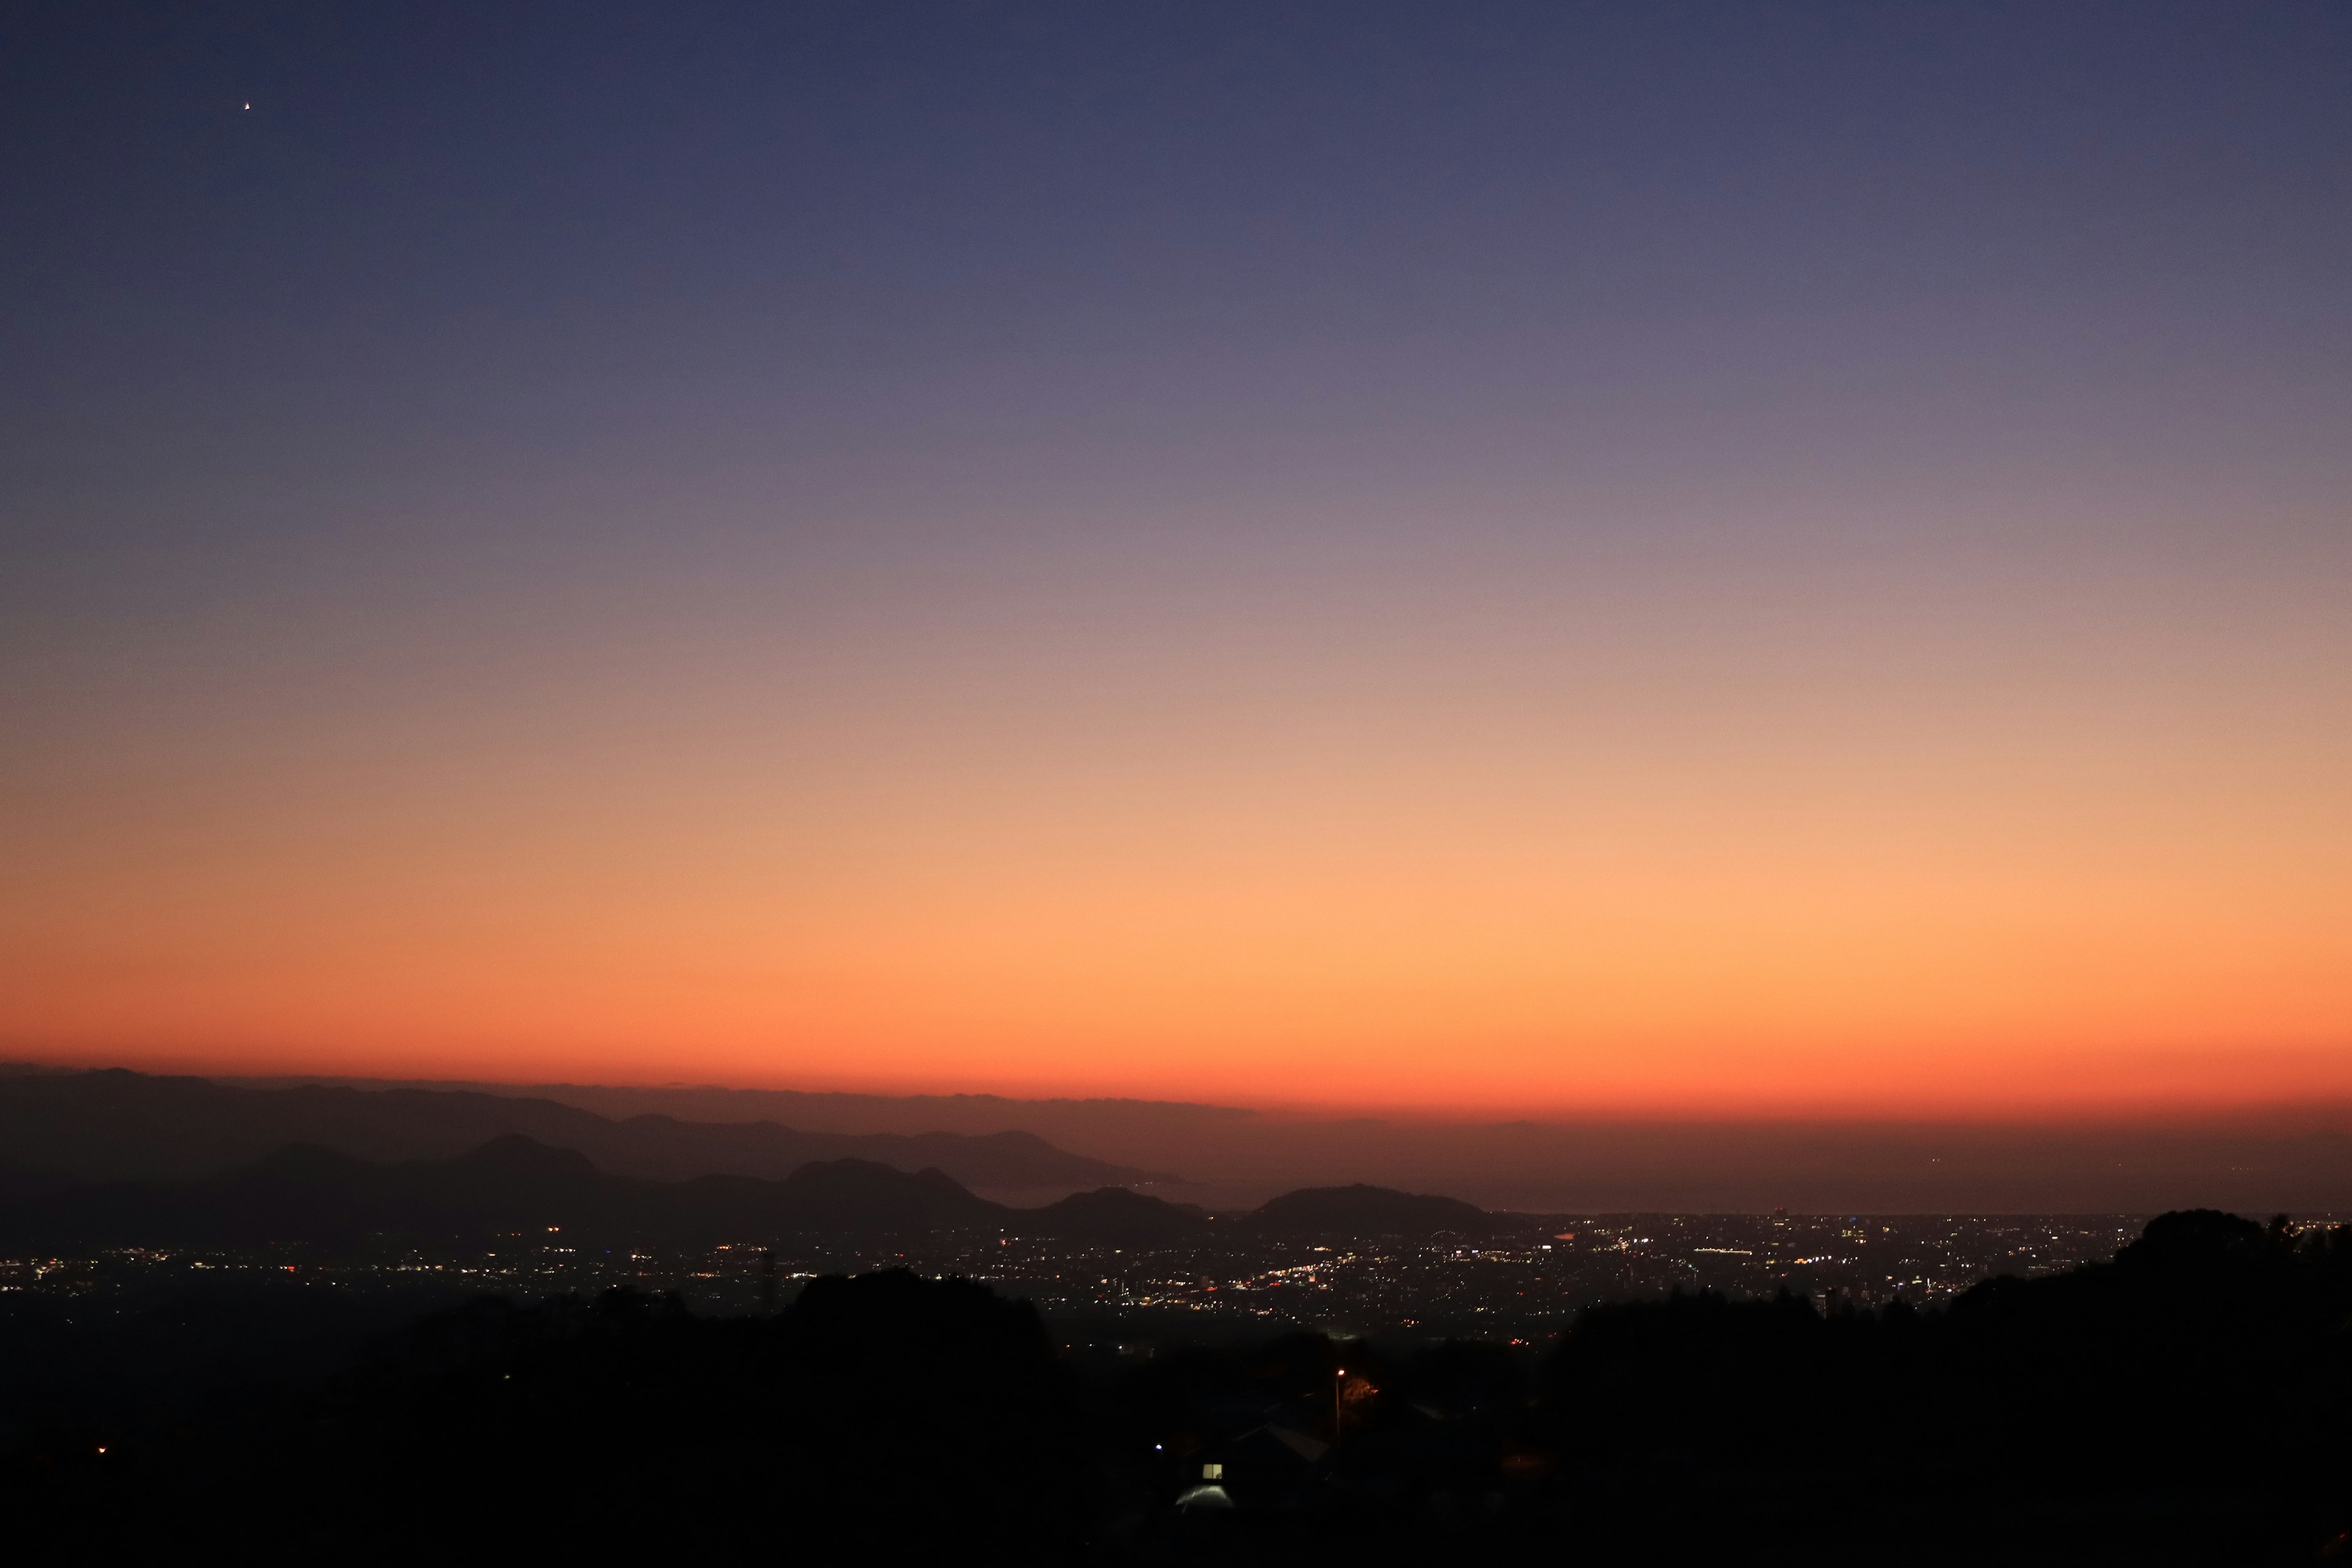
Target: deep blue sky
<point>492,236</point>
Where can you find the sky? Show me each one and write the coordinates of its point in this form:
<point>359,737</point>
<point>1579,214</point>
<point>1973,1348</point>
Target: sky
<point>1752,560</point>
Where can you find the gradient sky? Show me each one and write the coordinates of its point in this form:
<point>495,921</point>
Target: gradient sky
<point>1716,558</point>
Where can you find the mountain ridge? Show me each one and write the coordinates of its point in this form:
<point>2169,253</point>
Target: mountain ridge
<point>113,1123</point>
<point>512,1185</point>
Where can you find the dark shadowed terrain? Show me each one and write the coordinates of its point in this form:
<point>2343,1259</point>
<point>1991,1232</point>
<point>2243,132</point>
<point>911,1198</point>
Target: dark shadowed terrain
<point>191,1352</point>
<point>2189,1403</point>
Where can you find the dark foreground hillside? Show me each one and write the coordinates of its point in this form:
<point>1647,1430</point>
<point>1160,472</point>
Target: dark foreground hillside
<point>2191,1402</point>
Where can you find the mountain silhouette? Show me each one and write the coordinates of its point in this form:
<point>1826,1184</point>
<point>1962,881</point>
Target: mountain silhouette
<point>513,1186</point>
<point>115,1124</point>
<point>1114,1216</point>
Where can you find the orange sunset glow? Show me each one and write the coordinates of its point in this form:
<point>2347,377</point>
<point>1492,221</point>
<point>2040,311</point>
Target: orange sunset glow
<point>1796,854</point>
<point>1280,622</point>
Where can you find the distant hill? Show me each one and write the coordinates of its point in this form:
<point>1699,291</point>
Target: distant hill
<point>511,1187</point>
<point>1114,1216</point>
<point>515,1187</point>
<point>1361,1210</point>
<point>860,1196</point>
<point>2295,1157</point>
<point>119,1125</point>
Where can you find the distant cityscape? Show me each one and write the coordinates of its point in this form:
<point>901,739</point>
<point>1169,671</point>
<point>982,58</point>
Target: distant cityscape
<point>1523,1283</point>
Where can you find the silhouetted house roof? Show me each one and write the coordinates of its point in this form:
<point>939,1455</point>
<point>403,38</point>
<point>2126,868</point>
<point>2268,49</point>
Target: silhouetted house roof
<point>1311,1450</point>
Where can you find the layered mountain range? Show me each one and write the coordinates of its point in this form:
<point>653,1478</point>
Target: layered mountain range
<point>516,1187</point>
<point>115,1124</point>
<point>2296,1157</point>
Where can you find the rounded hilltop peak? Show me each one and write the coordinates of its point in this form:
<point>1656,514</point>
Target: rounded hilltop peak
<point>521,1154</point>
<point>1113,1214</point>
<point>2195,1238</point>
